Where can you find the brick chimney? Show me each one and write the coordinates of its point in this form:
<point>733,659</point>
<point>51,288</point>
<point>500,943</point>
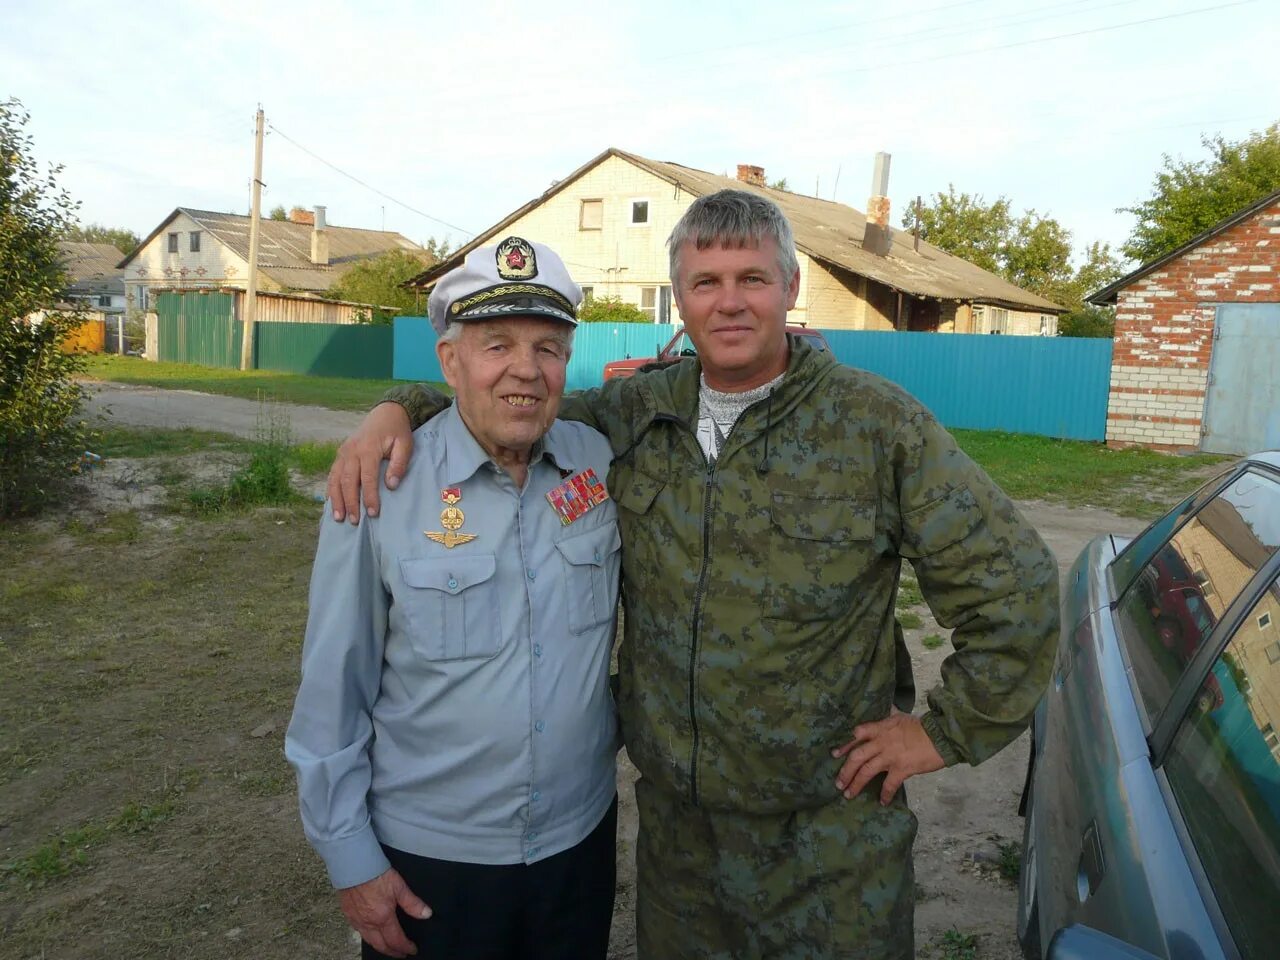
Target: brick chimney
<point>878,237</point>
<point>319,239</point>
<point>298,215</point>
<point>753,175</point>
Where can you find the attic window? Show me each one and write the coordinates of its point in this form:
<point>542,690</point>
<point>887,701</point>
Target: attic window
<point>591,215</point>
<point>173,243</point>
<point>640,212</point>
<point>195,241</point>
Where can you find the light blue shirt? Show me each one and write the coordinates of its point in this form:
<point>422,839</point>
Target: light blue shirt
<point>455,702</point>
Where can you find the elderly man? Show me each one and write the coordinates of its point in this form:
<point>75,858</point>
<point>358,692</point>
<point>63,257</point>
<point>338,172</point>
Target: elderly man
<point>767,496</point>
<point>454,735</point>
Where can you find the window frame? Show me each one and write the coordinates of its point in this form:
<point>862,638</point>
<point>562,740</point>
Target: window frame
<point>582,210</point>
<point>648,212</point>
<point>173,242</point>
<point>1164,727</point>
<point>193,241</point>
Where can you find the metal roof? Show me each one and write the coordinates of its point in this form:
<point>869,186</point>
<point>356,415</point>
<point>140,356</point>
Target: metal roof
<point>284,247</point>
<point>827,231</point>
<point>91,267</point>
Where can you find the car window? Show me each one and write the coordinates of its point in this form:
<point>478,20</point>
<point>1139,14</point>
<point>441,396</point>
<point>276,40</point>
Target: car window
<point>1178,595</point>
<point>1135,556</point>
<point>1224,772</point>
<point>684,346</point>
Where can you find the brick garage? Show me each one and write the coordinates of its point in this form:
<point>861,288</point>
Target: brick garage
<point>1165,313</point>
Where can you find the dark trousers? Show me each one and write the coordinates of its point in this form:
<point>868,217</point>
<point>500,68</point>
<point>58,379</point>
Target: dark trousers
<point>559,908</point>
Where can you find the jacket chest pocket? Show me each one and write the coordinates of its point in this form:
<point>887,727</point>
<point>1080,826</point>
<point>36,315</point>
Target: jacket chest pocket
<point>451,606</point>
<point>819,547</point>
<point>591,572</point>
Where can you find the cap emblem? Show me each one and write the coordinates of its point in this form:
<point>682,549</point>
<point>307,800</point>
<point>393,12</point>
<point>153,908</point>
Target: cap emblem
<point>516,260</point>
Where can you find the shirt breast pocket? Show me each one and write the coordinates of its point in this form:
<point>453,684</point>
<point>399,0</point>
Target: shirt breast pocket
<point>451,606</point>
<point>819,547</point>
<point>591,573</point>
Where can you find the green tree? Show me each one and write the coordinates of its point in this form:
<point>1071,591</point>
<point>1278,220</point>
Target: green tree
<point>40,437</point>
<point>122,239</point>
<point>611,310</point>
<point>1036,255</point>
<point>1088,321</point>
<point>779,184</point>
<point>378,282</point>
<point>967,226</point>
<point>1030,250</point>
<point>278,212</point>
<point>1188,197</point>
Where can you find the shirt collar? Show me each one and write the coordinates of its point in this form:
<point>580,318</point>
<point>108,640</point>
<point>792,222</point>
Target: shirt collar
<point>464,455</point>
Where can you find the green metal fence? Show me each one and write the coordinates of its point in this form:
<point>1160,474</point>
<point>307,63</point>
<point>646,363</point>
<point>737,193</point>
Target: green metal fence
<point>200,328</point>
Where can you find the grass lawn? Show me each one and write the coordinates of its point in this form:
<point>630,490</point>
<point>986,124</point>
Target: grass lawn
<point>1133,482</point>
<point>336,393</point>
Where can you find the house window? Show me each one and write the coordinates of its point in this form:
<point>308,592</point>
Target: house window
<point>588,294</point>
<point>997,320</point>
<point>1048,325</point>
<point>195,241</point>
<point>105,300</point>
<point>1272,651</point>
<point>649,303</point>
<point>1269,735</point>
<point>1264,621</point>
<point>173,243</point>
<point>591,215</point>
<point>640,213</point>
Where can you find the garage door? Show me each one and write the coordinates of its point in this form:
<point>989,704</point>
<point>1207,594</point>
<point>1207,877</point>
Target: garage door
<point>1242,410</point>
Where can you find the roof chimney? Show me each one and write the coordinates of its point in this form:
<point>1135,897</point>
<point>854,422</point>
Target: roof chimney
<point>751,174</point>
<point>878,237</point>
<point>298,215</point>
<point>319,239</point>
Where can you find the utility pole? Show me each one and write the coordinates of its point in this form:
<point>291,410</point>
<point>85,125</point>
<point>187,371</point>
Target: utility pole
<point>255,220</point>
<point>919,206</point>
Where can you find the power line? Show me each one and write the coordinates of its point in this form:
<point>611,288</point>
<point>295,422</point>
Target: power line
<point>368,186</point>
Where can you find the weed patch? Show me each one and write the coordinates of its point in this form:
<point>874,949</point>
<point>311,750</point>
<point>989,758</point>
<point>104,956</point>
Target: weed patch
<point>1010,862</point>
<point>910,621</point>
<point>312,459</point>
<point>954,945</point>
<point>933,641</point>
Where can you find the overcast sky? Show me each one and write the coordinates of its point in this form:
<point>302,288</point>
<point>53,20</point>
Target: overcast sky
<point>465,111</point>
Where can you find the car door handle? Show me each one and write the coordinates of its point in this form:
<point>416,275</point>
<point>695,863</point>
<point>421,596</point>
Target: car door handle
<point>1093,863</point>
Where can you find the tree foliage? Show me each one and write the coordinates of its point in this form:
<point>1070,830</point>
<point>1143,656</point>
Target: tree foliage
<point>378,281</point>
<point>124,240</point>
<point>40,437</point>
<point>1031,250</point>
<point>611,310</point>
<point>1190,196</point>
<point>1088,321</point>
<point>278,212</point>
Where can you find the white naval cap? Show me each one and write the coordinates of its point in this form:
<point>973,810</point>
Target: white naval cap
<point>515,278</point>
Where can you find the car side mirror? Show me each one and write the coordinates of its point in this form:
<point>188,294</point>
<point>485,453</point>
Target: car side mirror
<point>1079,942</point>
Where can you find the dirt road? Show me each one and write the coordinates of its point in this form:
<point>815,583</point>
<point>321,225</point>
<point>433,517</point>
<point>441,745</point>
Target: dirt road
<point>966,814</point>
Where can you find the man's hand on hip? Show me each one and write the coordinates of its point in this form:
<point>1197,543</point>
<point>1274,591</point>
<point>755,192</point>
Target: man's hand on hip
<point>384,435</point>
<point>370,908</point>
<point>896,746</point>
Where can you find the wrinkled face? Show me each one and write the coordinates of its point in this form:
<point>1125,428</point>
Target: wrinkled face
<point>508,375</point>
<point>734,304</point>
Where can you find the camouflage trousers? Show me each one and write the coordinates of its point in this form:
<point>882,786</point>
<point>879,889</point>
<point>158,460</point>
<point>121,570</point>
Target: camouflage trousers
<point>831,882</point>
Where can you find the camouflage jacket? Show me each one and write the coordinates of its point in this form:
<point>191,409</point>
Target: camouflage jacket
<point>759,592</point>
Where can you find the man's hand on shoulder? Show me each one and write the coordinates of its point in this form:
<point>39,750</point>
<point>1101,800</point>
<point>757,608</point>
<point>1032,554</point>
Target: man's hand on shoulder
<point>896,746</point>
<point>384,435</point>
<point>370,908</point>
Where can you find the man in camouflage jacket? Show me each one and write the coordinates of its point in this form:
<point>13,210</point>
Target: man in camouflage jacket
<point>759,588</point>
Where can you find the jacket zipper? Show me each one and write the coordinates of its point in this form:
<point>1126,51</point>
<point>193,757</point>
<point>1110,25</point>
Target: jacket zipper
<point>707,496</point>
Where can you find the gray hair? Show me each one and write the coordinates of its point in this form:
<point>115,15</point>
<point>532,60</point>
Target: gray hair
<point>734,218</point>
<point>454,330</point>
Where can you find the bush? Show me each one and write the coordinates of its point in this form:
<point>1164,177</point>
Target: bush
<point>41,438</point>
<point>1088,322</point>
<point>611,310</point>
<point>263,482</point>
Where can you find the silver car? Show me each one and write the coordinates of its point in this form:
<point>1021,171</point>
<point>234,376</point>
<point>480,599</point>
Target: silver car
<point>1153,798</point>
